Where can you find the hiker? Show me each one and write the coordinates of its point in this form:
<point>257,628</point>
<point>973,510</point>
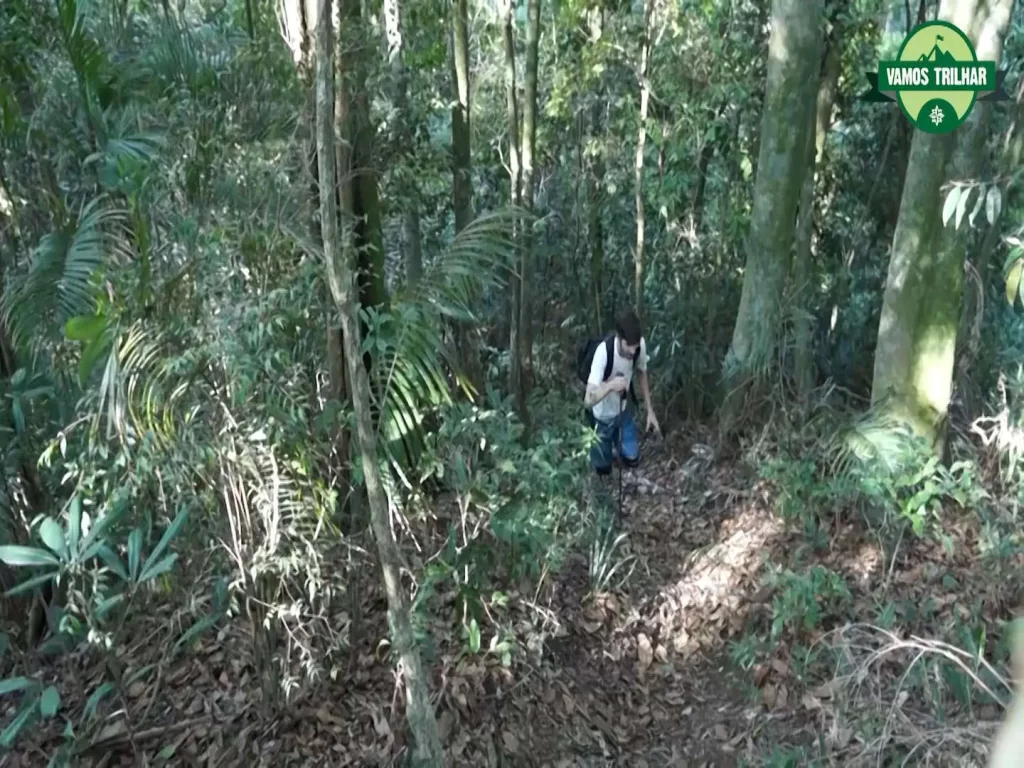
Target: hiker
<point>607,385</point>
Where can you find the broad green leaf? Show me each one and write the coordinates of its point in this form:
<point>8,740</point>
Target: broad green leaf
<point>84,328</point>
<point>17,555</point>
<point>49,702</point>
<point>12,684</point>
<point>950,205</point>
<point>961,206</point>
<point>92,541</point>
<point>152,570</point>
<point>104,607</point>
<point>993,204</point>
<point>474,636</point>
<point>95,698</point>
<point>170,533</point>
<point>112,561</point>
<point>134,553</point>
<point>53,537</point>
<point>30,585</point>
<point>90,355</point>
<point>75,526</point>
<point>1013,281</point>
<point>26,713</point>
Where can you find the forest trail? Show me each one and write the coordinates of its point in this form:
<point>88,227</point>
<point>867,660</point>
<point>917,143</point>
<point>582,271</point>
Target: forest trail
<point>642,673</point>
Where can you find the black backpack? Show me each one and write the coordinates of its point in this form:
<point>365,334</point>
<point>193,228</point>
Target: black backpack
<point>585,359</point>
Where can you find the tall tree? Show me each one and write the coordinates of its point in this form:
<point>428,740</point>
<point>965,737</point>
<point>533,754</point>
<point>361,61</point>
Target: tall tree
<point>461,156</point>
<point>339,257</point>
<point>794,51</point>
<point>412,249</point>
<point>529,155</point>
<point>641,145</point>
<point>821,120</point>
<point>515,171</point>
<point>914,355</point>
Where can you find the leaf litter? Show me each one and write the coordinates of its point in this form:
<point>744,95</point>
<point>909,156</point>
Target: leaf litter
<point>636,676</point>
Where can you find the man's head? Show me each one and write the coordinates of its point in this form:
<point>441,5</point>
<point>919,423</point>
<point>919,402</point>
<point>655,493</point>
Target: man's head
<point>628,331</point>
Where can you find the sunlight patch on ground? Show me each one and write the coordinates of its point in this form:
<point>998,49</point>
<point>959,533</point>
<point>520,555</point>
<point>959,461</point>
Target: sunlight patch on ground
<point>716,579</point>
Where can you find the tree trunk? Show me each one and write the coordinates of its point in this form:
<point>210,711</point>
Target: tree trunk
<point>803,362</point>
<point>461,155</point>
<point>915,353</point>
<point>794,60</point>
<point>638,166</point>
<point>412,249</point>
<point>529,190</point>
<point>515,187</point>
<point>595,227</point>
<point>339,261</point>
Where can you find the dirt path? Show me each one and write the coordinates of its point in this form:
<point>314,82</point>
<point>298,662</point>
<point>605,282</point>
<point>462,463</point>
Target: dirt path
<point>636,675</point>
<point>641,676</point>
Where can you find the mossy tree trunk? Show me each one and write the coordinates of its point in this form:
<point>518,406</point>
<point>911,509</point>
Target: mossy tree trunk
<point>803,273</point>
<point>340,260</point>
<point>794,60</point>
<point>921,306</point>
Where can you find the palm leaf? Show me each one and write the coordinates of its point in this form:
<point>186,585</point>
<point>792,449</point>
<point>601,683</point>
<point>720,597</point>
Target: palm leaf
<point>413,362</point>
<point>66,263</point>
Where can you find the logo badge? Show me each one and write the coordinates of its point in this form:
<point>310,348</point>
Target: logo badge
<point>936,78</point>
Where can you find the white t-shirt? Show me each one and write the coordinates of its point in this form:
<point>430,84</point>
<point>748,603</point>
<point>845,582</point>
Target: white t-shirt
<point>608,409</point>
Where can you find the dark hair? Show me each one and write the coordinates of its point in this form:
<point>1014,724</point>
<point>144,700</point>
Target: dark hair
<point>627,326</point>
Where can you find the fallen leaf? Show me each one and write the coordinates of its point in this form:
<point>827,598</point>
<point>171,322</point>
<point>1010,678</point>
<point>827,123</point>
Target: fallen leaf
<point>721,732</point>
<point>644,652</point>
<point>511,742</point>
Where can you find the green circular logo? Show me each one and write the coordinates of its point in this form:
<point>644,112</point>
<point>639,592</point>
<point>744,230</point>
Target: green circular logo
<point>936,77</point>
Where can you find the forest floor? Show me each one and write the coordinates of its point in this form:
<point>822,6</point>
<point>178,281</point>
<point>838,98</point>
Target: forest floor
<point>650,672</point>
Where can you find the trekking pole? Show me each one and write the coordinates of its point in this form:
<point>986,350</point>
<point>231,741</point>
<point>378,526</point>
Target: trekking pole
<point>622,459</point>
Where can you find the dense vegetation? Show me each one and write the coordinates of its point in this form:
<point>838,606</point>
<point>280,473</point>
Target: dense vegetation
<point>295,476</point>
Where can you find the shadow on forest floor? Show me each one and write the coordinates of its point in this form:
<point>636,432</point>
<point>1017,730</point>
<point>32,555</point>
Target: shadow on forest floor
<point>645,674</point>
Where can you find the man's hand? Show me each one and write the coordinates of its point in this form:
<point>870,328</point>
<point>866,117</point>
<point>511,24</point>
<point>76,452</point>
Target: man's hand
<point>652,423</point>
<point>617,384</point>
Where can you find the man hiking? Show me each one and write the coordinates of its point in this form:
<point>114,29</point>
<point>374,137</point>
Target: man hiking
<point>607,385</point>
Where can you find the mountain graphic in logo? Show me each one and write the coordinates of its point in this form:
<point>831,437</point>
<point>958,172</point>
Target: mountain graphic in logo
<point>938,55</point>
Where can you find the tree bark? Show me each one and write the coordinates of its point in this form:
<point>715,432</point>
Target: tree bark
<point>412,249</point>
<point>794,61</point>
<point>529,190</point>
<point>339,261</point>
<point>915,353</point>
<point>461,154</point>
<point>638,165</point>
<point>515,188</point>
<point>803,362</point>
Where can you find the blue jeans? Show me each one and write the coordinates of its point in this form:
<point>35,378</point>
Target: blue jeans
<point>608,439</point>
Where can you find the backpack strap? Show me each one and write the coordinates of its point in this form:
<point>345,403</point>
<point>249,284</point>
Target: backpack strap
<point>609,347</point>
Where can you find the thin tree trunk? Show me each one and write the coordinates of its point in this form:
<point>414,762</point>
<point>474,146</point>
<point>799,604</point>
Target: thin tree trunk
<point>803,362</point>
<point>529,190</point>
<point>339,259</point>
<point>461,155</point>
<point>793,65</point>
<point>915,352</point>
<point>515,188</point>
<point>412,250</point>
<point>595,227</point>
<point>638,166</point>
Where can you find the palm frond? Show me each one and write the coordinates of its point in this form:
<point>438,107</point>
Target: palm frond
<point>413,358</point>
<point>66,263</point>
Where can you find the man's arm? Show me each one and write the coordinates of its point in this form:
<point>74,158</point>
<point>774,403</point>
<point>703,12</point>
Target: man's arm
<point>597,390</point>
